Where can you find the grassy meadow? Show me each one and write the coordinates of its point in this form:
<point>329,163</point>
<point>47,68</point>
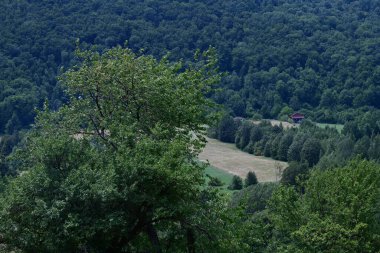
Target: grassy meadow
<point>225,177</point>
<point>229,159</point>
<point>338,127</point>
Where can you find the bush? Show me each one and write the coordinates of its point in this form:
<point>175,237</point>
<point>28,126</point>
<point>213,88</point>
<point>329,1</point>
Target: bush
<point>251,179</point>
<point>214,181</point>
<point>254,198</point>
<point>236,184</point>
<point>292,172</point>
<point>310,151</point>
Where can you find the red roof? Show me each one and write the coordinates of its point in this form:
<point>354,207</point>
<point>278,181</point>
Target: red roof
<point>297,116</point>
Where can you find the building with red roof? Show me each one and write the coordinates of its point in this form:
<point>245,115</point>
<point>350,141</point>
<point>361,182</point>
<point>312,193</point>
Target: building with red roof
<point>297,117</point>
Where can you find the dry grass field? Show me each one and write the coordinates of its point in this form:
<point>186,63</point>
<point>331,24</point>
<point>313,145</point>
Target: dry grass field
<point>275,122</point>
<point>227,157</point>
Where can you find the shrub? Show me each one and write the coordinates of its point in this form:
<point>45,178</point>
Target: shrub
<point>236,184</point>
<point>214,181</point>
<point>251,179</point>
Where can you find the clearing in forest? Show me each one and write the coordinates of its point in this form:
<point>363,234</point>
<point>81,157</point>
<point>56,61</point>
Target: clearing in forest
<point>287,125</point>
<point>228,158</point>
<point>338,127</point>
<point>275,122</point>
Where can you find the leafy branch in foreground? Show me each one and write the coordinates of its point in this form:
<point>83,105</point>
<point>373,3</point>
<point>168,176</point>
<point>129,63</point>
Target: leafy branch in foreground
<point>114,169</point>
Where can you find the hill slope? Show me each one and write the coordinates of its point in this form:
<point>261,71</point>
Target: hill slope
<point>320,57</point>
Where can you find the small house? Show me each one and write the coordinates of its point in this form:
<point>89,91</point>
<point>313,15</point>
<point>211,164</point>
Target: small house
<point>297,117</point>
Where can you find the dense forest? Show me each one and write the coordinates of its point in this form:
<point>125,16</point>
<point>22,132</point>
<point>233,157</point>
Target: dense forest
<point>319,57</point>
<point>104,108</point>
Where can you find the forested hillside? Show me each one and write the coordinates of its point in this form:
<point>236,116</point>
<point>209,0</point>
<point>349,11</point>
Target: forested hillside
<point>116,170</point>
<point>125,93</point>
<point>320,57</point>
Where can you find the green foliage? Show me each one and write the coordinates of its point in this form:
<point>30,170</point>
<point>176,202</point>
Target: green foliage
<point>251,179</point>
<point>220,174</point>
<point>214,181</point>
<point>243,135</point>
<point>13,125</point>
<point>310,152</point>
<point>254,198</point>
<point>272,69</point>
<point>236,183</point>
<point>114,170</point>
<point>294,151</point>
<point>293,173</point>
<point>307,145</point>
<point>256,134</point>
<point>267,149</point>
<point>374,149</point>
<point>227,129</point>
<point>323,66</point>
<point>275,143</point>
<point>122,147</point>
<point>338,127</point>
<point>284,146</point>
<point>338,212</point>
<point>361,147</point>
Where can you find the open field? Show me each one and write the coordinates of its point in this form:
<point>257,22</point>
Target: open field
<point>338,127</point>
<point>275,122</point>
<point>224,176</point>
<point>230,159</point>
<point>287,125</point>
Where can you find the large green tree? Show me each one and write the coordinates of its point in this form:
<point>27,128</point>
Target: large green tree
<point>114,170</point>
<point>338,212</point>
<point>310,152</point>
<point>227,129</point>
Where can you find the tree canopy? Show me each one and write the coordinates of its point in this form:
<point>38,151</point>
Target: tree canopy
<point>339,211</point>
<point>320,57</point>
<point>114,169</point>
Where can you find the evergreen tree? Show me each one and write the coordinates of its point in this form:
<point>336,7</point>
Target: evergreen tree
<point>275,145</point>
<point>268,148</point>
<point>243,135</point>
<point>283,148</point>
<point>374,149</point>
<point>227,129</point>
<point>251,179</point>
<point>294,151</point>
<point>361,146</point>
<point>345,149</point>
<point>13,124</point>
<point>256,134</point>
<point>310,152</point>
<point>236,183</point>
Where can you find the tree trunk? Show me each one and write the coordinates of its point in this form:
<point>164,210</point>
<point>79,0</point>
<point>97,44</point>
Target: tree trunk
<point>190,240</point>
<point>153,237</point>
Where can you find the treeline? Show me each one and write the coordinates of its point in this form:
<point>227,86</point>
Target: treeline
<point>303,146</point>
